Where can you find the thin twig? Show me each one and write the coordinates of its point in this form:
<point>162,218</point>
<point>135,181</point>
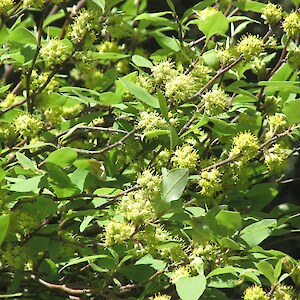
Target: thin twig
<point>116,144</point>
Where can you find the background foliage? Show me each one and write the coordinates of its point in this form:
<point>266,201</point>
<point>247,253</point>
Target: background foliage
<point>142,149</point>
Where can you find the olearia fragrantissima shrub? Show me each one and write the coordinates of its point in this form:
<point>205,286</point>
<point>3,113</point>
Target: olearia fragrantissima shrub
<point>141,152</point>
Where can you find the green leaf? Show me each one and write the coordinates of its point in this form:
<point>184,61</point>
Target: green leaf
<point>99,3</point>
<point>174,138</point>
<point>110,98</point>
<point>58,175</point>
<point>155,133</point>
<point>267,270</point>
<point>291,110</point>
<point>22,35</point>
<point>62,157</point>
<point>226,277</point>
<point>163,104</point>
<point>112,3</point>
<point>215,24</point>
<point>26,163</point>
<point>248,5</point>
<point>141,61</point>
<point>46,207</point>
<point>85,223</point>
<point>230,220</point>
<point>140,93</point>
<point>4,224</point>
<point>4,88</point>
<point>255,233</point>
<point>166,42</point>
<point>203,121</point>
<point>154,263</point>
<point>282,86</point>
<point>77,261</point>
<point>261,195</point>
<point>173,184</point>
<point>171,5</point>
<point>191,288</point>
<point>78,178</point>
<point>27,185</point>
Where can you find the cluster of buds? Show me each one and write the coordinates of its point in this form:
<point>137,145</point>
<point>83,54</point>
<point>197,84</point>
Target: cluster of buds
<point>84,27</point>
<point>5,6</point>
<point>28,125</point>
<point>54,52</point>
<point>215,102</point>
<point>185,157</point>
<point>255,292</point>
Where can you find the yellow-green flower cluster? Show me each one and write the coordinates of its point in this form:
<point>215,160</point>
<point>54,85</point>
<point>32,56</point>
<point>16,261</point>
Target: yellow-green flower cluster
<point>276,159</point>
<point>84,27</point>
<point>5,6</point>
<point>28,125</point>
<point>272,104</point>
<point>54,52</point>
<point>185,157</point>
<point>210,182</point>
<point>294,57</point>
<point>227,55</point>
<point>15,256</point>
<point>109,46</point>
<point>35,3</point>
<point>278,123</point>
<point>149,181</point>
<point>38,80</point>
<point>215,102</point>
<point>23,222</point>
<point>181,87</point>
<point>250,46</point>
<point>245,144</point>
<point>211,255</point>
<point>160,296</point>
<point>180,272</point>
<point>118,232</point>
<point>138,206</point>
<point>255,292</point>
<point>283,292</point>
<point>7,132</point>
<point>117,27</point>
<point>163,72</point>
<point>291,24</point>
<point>151,120</point>
<point>272,13</point>
<point>201,73</point>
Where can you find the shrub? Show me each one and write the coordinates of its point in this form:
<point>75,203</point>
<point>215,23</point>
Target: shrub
<point>141,152</point>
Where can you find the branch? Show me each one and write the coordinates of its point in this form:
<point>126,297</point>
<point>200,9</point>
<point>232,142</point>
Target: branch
<point>105,196</point>
<point>116,144</point>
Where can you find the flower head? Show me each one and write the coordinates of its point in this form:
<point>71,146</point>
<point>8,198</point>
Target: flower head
<point>5,6</point>
<point>181,87</point>
<point>272,13</point>
<point>215,102</point>
<point>250,46</point>
<point>185,157</point>
<point>291,24</point>
<point>210,182</point>
<point>245,144</point>
<point>255,292</point>
<point>54,52</point>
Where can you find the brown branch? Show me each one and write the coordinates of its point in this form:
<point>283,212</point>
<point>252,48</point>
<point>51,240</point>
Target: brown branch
<point>128,287</point>
<point>116,144</point>
<point>105,196</point>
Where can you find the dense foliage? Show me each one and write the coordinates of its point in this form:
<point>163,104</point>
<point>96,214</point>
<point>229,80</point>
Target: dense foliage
<point>141,151</point>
